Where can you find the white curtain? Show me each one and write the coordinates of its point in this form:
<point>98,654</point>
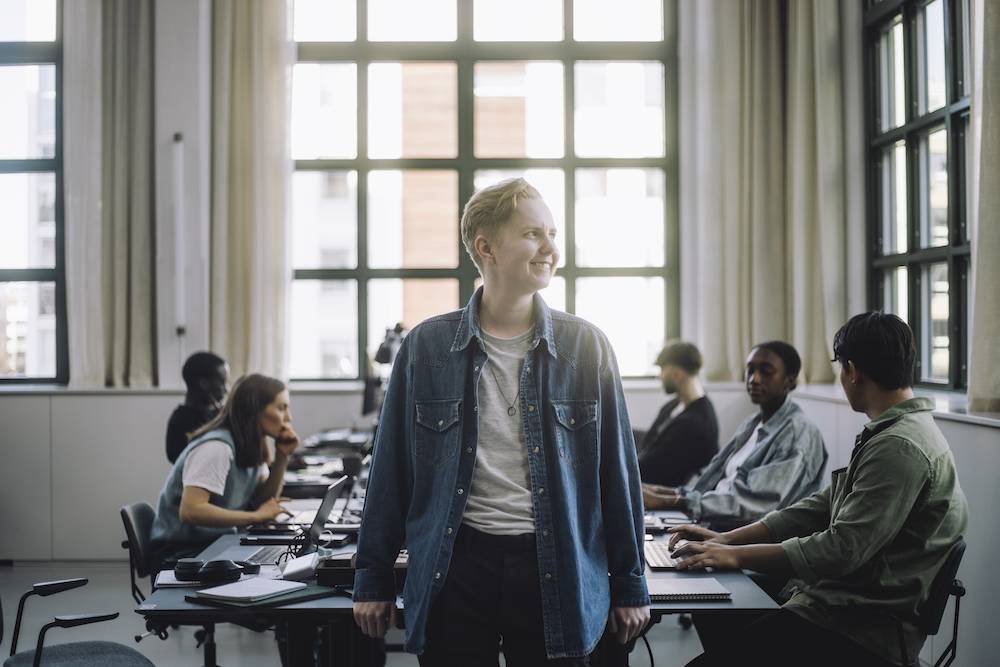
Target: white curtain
<point>984,361</point>
<point>251,167</point>
<point>109,190</point>
<point>768,95</point>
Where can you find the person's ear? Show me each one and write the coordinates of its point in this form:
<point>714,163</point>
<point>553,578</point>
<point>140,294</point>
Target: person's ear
<point>484,248</point>
<point>852,372</point>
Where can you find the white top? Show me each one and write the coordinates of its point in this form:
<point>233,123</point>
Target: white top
<point>500,494</point>
<point>207,467</point>
<point>736,460</point>
<point>679,408</point>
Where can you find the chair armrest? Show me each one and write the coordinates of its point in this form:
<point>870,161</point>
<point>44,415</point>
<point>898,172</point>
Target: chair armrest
<point>957,588</point>
<point>73,620</point>
<point>46,588</point>
<point>70,621</point>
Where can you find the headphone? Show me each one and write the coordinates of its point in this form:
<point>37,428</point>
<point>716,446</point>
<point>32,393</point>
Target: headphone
<point>214,571</point>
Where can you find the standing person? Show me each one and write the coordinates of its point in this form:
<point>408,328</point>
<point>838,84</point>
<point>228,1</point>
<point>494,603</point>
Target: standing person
<point>226,477</point>
<point>505,462</point>
<point>685,434</point>
<point>207,378</point>
<point>867,547</point>
<point>775,458</point>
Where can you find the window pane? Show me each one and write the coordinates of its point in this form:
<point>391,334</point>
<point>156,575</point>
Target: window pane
<point>550,183</point>
<point>324,111</point>
<point>324,338</point>
<point>893,182</point>
<point>636,333</point>
<point>519,109</point>
<point>620,21</point>
<point>935,341</point>
<point>28,329</point>
<point>413,219</point>
<point>28,129</point>
<point>895,293</point>
<point>619,109</point>
<point>325,21</point>
<point>517,20</point>
<point>28,20</point>
<point>409,21</point>
<point>892,93</point>
<point>619,217</point>
<point>934,189</point>
<point>28,226</point>
<point>412,110</point>
<point>408,301</point>
<point>964,30</point>
<point>931,79</point>
<point>325,219</point>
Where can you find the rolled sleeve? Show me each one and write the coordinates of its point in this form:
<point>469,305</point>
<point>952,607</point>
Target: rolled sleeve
<point>629,591</point>
<point>374,584</point>
<point>793,549</point>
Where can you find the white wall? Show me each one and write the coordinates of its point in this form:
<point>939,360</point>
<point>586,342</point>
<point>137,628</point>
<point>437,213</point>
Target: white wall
<point>71,459</point>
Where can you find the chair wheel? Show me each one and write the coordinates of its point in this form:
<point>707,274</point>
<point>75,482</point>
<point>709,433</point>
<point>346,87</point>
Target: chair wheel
<point>685,621</point>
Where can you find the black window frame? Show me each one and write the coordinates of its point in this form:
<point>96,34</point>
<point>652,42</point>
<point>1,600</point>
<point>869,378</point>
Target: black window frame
<point>466,52</point>
<point>954,118</point>
<point>44,53</point>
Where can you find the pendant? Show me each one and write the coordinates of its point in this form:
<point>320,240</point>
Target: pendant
<point>511,411</point>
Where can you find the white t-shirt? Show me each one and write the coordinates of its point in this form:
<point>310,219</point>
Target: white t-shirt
<point>737,459</point>
<point>207,467</point>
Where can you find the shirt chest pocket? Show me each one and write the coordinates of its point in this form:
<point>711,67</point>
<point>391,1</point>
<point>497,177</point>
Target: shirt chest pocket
<point>437,432</point>
<point>576,431</point>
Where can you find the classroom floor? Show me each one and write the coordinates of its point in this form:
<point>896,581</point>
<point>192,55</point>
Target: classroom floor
<point>108,590</point>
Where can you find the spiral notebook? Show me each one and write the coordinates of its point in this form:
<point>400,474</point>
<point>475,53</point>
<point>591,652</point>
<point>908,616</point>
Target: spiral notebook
<point>687,589</point>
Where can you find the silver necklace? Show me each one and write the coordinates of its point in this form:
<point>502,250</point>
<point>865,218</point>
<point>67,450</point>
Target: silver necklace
<point>511,410</point>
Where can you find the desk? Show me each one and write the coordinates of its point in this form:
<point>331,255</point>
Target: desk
<point>167,605</point>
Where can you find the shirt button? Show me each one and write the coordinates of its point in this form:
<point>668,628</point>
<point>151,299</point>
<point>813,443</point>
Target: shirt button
<point>548,576</point>
<point>545,533</point>
<point>475,408</point>
<point>477,368</point>
<point>437,575</point>
<point>572,421</point>
<point>461,491</point>
<point>531,408</point>
<point>468,450</point>
<point>541,491</point>
<point>537,449</point>
<point>440,422</point>
<point>450,530</point>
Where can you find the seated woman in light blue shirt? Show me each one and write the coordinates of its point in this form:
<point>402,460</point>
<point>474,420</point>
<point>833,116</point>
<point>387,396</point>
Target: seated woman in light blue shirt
<point>227,476</point>
<point>775,458</point>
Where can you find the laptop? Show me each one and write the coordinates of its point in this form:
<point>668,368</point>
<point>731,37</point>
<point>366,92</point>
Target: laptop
<point>255,547</point>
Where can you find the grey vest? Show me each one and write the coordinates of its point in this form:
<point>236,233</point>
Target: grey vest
<point>241,484</point>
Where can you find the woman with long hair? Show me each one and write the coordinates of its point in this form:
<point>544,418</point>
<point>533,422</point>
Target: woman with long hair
<point>227,477</point>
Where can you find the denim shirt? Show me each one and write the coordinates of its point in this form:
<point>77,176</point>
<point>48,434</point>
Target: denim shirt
<point>586,494</point>
<point>787,465</point>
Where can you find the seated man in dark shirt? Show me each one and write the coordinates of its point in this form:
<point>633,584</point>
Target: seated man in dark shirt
<point>207,378</point>
<point>685,434</point>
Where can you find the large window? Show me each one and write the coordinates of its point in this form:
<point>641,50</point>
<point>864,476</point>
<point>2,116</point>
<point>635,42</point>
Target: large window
<point>32,290</point>
<point>401,109</point>
<point>917,56</point>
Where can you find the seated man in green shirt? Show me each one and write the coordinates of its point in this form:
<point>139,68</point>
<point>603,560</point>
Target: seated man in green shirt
<point>868,545</point>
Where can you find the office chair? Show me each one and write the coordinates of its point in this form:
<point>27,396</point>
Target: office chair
<point>138,520</point>
<point>931,612</point>
<point>75,654</point>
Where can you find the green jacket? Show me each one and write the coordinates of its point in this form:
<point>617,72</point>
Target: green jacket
<point>871,542</point>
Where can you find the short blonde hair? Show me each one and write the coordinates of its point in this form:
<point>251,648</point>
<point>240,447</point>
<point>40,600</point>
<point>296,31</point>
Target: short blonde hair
<point>490,208</point>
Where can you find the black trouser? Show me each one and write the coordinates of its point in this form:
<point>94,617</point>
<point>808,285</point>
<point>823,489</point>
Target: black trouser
<point>776,639</point>
<point>491,595</point>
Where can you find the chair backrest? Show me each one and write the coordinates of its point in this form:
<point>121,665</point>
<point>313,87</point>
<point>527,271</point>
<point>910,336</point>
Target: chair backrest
<point>932,610</point>
<point>138,520</point>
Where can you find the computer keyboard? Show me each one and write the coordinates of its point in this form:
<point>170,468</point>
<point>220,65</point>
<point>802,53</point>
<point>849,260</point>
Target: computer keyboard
<point>267,555</point>
<point>658,556</point>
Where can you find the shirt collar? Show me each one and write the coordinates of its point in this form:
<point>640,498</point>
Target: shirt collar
<point>468,326</point>
<point>778,418</point>
<point>916,404</point>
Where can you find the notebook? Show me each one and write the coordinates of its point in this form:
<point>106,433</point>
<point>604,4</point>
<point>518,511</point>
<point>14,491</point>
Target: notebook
<point>250,590</point>
<point>686,589</point>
